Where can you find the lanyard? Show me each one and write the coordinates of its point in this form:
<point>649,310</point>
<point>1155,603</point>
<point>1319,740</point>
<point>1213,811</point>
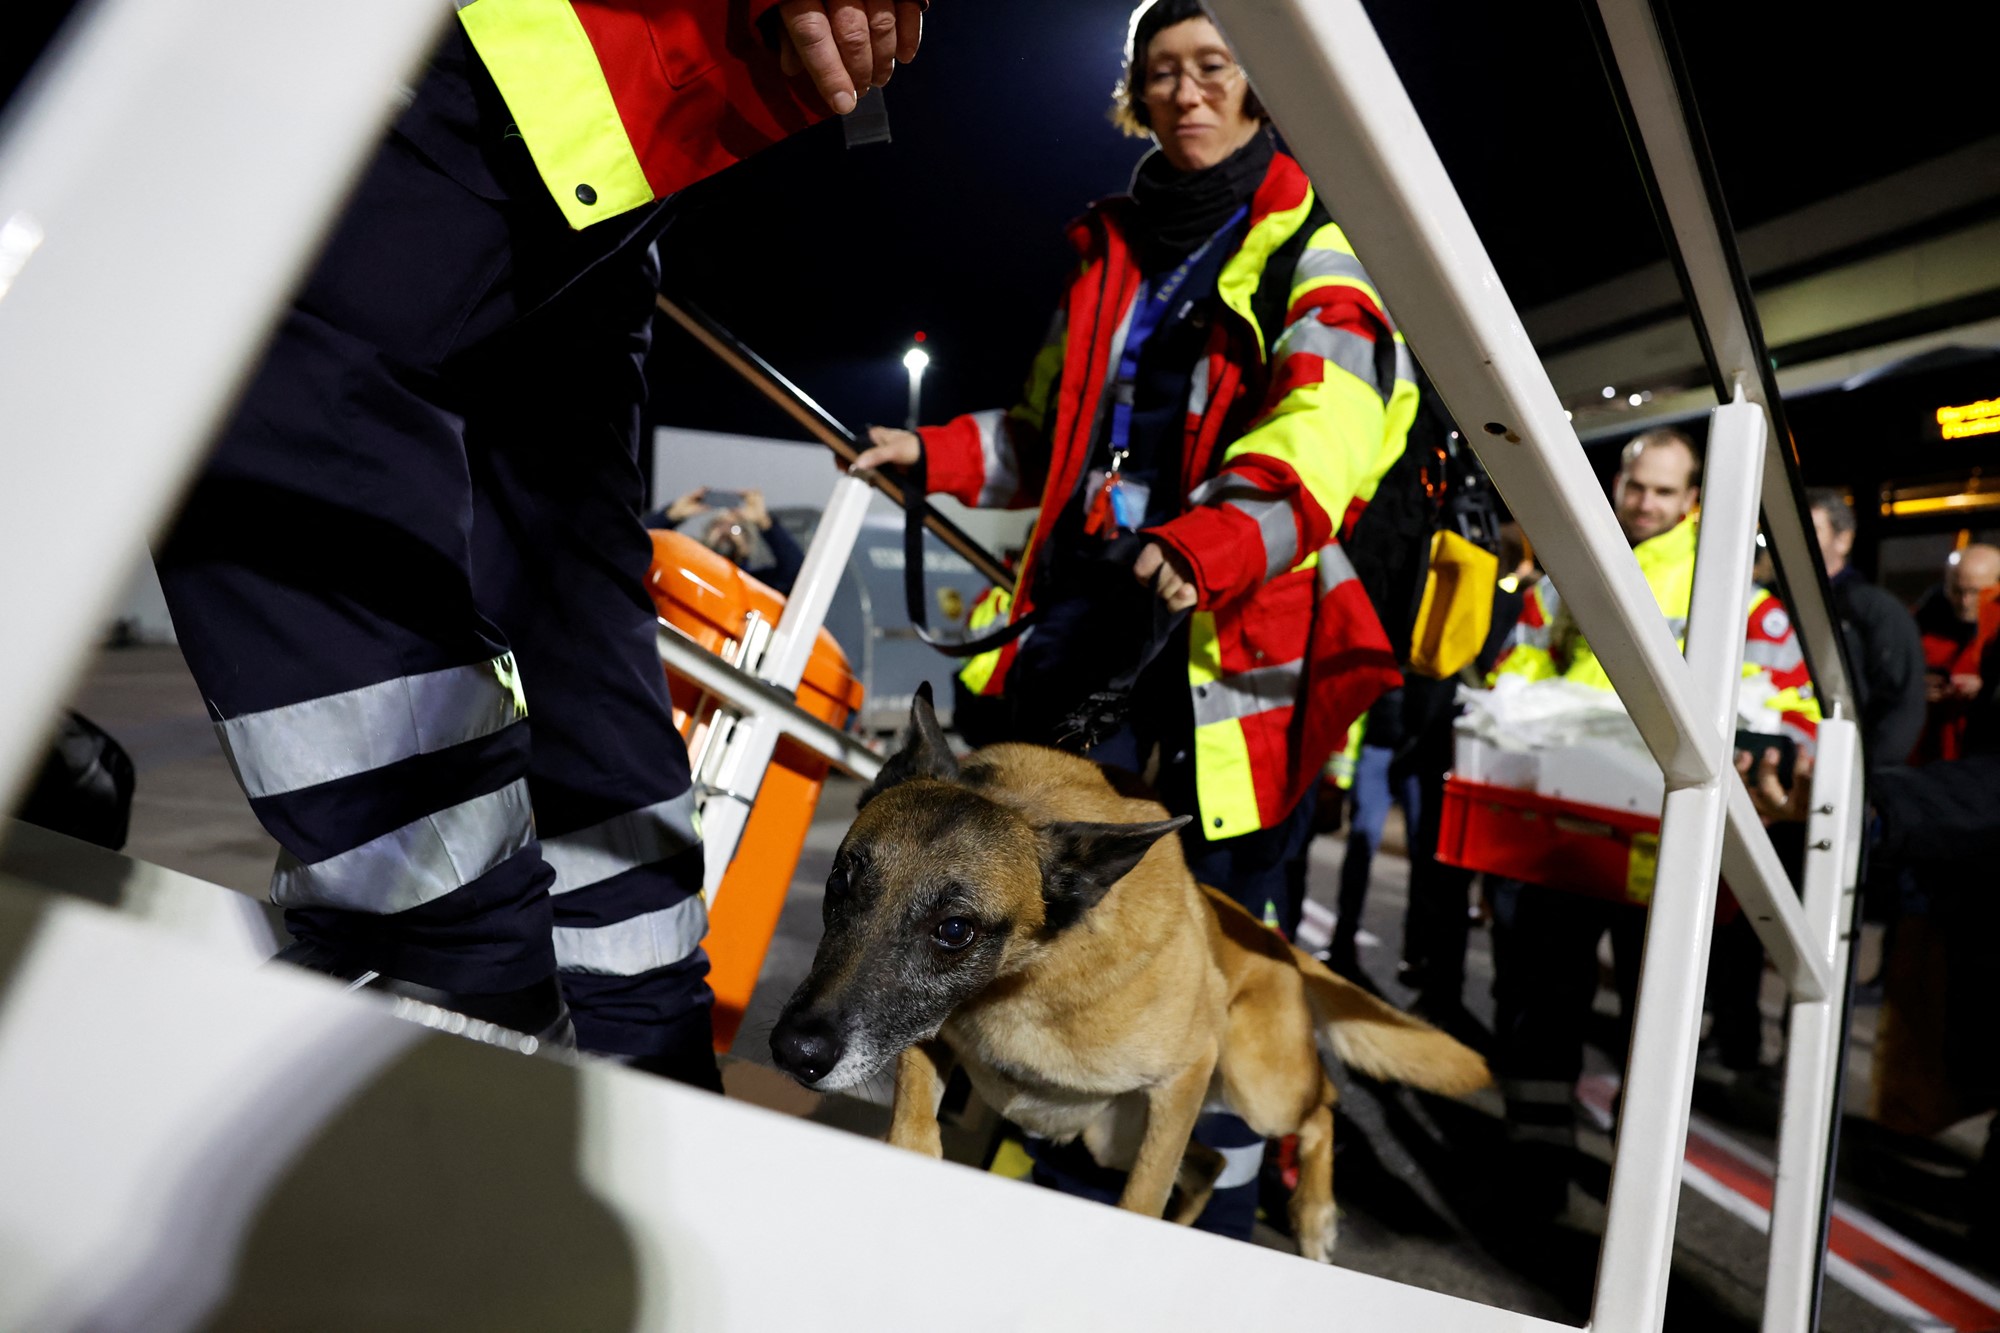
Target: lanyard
<point>1147,311</point>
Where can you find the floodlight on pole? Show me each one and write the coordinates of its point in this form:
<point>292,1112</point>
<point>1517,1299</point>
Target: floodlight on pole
<point>915,361</point>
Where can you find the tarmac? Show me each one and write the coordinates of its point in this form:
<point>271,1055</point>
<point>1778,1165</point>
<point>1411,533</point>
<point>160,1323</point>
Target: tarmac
<point>1412,1173</point>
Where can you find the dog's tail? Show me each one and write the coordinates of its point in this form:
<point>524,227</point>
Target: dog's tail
<point>1381,1041</point>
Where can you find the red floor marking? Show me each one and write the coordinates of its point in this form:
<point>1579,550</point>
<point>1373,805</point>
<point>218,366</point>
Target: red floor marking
<point>1899,1272</point>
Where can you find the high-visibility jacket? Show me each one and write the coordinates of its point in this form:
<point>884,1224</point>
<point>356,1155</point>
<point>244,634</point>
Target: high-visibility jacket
<point>989,610</point>
<point>1299,404</point>
<point>622,102</point>
<point>1547,643</point>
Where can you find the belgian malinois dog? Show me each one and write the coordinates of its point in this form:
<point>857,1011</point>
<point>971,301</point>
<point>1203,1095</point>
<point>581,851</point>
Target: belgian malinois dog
<point>1022,915</point>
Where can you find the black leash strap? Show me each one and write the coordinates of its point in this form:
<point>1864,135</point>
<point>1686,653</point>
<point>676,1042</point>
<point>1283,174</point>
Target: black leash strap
<point>915,510</point>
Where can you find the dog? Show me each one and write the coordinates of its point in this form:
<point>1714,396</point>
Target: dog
<point>1021,915</point>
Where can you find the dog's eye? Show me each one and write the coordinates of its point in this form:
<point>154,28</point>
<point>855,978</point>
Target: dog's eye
<point>954,934</point>
<point>836,883</point>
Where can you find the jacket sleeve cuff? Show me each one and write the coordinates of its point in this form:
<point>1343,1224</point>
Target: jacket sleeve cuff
<point>954,463</point>
<point>1221,546</point>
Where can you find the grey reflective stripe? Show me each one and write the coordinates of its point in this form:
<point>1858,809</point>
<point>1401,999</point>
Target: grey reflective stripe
<point>1529,636</point>
<point>1273,515</point>
<point>1198,390</point>
<point>1339,347</point>
<point>1406,365</point>
<point>418,863</point>
<point>1239,1165</point>
<point>1334,569</point>
<point>1782,656</point>
<point>1247,692</point>
<point>634,946</point>
<point>1001,473</point>
<point>1279,529</point>
<point>1228,486</point>
<point>1328,264</point>
<point>338,735</point>
<point>642,837</point>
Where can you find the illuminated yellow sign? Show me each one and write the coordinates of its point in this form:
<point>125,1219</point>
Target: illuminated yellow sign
<point>1980,418</point>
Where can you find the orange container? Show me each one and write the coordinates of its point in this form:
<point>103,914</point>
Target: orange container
<point>709,599</point>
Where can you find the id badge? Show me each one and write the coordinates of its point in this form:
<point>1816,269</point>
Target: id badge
<point>1126,500</point>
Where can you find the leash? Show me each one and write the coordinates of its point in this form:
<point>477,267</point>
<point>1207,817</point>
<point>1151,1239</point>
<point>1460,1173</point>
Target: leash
<point>916,510</point>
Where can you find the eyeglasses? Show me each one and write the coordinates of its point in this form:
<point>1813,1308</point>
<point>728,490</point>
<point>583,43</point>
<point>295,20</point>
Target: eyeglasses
<point>1213,76</point>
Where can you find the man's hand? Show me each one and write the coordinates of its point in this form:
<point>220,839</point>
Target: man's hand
<point>1774,804</point>
<point>1161,568</point>
<point>1964,687</point>
<point>688,505</point>
<point>849,46</point>
<point>887,445</point>
<point>752,510</point>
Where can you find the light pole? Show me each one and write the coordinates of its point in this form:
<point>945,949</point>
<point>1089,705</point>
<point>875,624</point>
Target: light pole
<point>914,361</point>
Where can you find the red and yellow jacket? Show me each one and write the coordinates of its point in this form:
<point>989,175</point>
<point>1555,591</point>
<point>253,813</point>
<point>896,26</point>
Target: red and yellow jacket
<point>1547,643</point>
<point>1281,452</point>
<point>622,102</point>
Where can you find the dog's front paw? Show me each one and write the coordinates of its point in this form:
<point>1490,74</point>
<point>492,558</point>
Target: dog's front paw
<point>1317,1226</point>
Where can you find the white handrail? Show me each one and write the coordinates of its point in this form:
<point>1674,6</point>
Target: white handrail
<point>1321,71</point>
<point>163,184</point>
<point>1697,233</point>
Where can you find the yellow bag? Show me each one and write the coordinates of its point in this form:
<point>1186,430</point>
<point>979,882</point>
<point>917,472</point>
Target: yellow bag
<point>1457,609</point>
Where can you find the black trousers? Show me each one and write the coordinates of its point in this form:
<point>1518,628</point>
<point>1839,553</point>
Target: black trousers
<point>411,587</point>
<point>1544,980</point>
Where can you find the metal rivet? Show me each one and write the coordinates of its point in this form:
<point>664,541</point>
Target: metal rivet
<point>1218,821</point>
<point>586,195</point>
<point>1495,428</point>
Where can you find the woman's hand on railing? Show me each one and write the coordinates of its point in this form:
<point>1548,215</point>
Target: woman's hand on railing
<point>889,445</point>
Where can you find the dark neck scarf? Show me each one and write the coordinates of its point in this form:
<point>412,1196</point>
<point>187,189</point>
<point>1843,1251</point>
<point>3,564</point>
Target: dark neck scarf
<point>1178,210</point>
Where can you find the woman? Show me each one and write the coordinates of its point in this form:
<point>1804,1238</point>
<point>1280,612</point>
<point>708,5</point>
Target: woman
<point>1222,391</point>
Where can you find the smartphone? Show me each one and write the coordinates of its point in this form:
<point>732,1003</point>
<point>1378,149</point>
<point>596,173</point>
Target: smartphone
<point>1754,743</point>
<point>717,498</point>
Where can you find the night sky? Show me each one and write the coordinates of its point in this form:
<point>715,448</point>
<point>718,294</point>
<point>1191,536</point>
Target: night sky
<point>827,260</point>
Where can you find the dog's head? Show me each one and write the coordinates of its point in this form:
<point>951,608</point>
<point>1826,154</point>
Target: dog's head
<point>937,891</point>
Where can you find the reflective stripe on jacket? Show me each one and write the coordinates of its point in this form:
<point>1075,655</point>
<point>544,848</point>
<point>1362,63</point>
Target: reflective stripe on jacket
<point>1281,450</point>
<point>624,103</point>
<point>1547,643</point>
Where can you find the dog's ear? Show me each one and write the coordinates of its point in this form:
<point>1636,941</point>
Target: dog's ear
<point>925,753</point>
<point>1080,863</point>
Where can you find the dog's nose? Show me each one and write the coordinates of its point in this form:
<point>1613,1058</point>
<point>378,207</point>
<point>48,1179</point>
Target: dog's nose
<point>806,1047</point>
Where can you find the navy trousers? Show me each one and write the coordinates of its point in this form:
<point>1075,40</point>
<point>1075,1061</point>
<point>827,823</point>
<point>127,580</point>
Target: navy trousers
<point>410,585</point>
<point>1545,977</point>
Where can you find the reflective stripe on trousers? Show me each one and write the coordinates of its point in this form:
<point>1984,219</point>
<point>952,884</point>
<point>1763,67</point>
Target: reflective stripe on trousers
<point>417,863</point>
<point>603,852</point>
<point>336,736</point>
